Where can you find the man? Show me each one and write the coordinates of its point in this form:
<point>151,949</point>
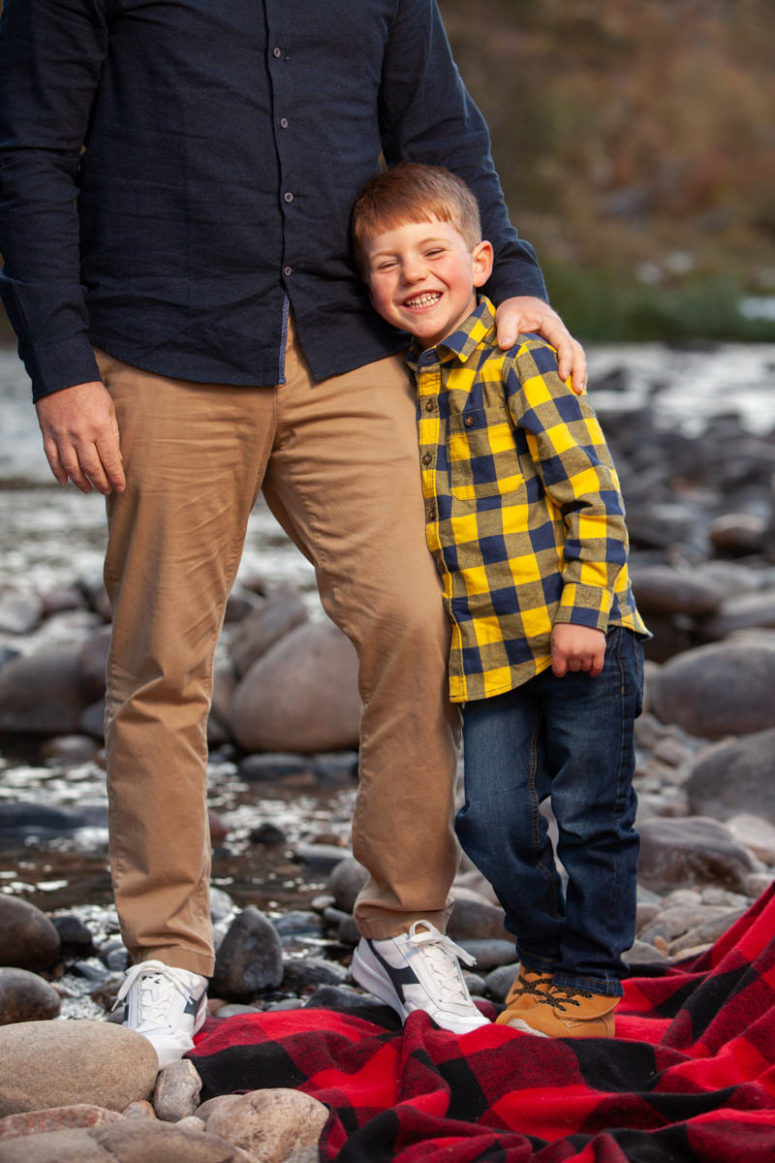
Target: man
<point>175,186</point>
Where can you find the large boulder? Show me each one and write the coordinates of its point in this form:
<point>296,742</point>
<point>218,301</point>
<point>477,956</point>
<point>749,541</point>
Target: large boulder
<point>301,695</point>
<point>663,589</point>
<point>741,612</point>
<point>734,777</point>
<point>43,693</point>
<point>721,689</point>
<point>680,853</point>
<point>52,1064</point>
<point>264,627</point>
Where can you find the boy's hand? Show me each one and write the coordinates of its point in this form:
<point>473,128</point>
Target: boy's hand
<point>527,313</point>
<point>577,648</point>
<point>80,438</point>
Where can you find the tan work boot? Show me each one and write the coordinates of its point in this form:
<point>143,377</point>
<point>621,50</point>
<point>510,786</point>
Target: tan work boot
<point>566,1012</point>
<point>529,988</point>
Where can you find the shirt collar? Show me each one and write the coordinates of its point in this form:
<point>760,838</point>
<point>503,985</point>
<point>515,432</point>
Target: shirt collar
<point>463,342</point>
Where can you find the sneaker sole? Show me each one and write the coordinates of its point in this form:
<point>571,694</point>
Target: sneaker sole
<point>518,1024</point>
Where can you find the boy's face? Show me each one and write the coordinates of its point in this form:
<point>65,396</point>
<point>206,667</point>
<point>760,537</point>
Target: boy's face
<point>422,277</point>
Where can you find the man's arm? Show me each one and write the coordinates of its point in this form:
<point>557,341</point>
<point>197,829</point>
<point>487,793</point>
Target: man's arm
<point>428,116</point>
<point>51,54</point>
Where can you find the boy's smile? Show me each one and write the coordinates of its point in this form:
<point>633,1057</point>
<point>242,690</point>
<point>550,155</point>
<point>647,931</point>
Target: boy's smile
<point>422,277</point>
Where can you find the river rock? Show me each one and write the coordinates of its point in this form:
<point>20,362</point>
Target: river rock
<point>177,1091</point>
<point>733,777</point>
<point>264,627</point>
<point>42,693</point>
<point>30,940</point>
<point>51,1064</point>
<point>70,750</point>
<point>737,534</point>
<point>663,524</point>
<point>721,689</point>
<point>249,958</point>
<point>473,917</point>
<point>25,997</point>
<point>268,1124</point>
<point>93,660</point>
<point>125,1141</point>
<point>661,589</point>
<point>224,686</point>
<point>345,882</point>
<point>302,975</point>
<point>59,1118</point>
<point>301,695</point>
<point>755,834</point>
<point>742,612</point>
<point>75,936</point>
<point>691,851</point>
<point>20,610</point>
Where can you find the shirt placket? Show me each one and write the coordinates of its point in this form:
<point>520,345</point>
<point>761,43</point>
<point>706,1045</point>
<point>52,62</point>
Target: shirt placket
<point>429,438</point>
<point>279,66</point>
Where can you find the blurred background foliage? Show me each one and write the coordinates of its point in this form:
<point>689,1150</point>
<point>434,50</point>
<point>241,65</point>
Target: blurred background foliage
<point>636,144</point>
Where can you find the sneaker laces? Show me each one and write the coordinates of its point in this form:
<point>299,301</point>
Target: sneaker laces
<point>156,982</point>
<point>442,956</point>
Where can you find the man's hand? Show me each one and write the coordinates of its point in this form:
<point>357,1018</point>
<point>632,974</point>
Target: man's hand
<point>526,313</point>
<point>577,648</point>
<point>80,438</point>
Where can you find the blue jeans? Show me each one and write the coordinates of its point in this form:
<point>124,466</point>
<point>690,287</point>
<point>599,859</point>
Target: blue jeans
<point>569,739</point>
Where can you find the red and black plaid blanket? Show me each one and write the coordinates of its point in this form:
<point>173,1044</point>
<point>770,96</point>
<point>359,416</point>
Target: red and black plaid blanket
<point>689,1077</point>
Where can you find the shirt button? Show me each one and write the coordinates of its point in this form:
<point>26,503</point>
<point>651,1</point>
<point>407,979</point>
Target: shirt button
<point>287,196</point>
<point>287,271</point>
<point>277,52</point>
<point>427,458</point>
<point>468,421</point>
<point>283,122</point>
<point>429,405</point>
<point>431,513</point>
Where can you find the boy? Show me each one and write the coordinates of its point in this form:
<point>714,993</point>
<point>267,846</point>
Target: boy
<point>525,522</point>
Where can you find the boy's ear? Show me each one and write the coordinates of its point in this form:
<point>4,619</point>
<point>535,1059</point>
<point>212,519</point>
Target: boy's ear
<point>482,258</point>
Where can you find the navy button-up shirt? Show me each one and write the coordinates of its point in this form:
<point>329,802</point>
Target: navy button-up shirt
<point>174,173</point>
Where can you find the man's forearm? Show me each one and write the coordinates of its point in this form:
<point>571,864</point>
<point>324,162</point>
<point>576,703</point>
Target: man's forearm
<point>50,60</point>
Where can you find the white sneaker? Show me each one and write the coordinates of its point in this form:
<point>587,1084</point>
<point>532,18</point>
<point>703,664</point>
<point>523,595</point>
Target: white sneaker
<point>166,1005</point>
<point>419,970</point>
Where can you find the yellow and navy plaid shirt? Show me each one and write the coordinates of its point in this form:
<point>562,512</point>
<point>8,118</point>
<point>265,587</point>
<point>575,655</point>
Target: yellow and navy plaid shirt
<point>524,514</point>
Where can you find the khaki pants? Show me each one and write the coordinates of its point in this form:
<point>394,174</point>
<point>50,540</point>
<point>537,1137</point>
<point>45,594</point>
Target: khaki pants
<point>338,464</point>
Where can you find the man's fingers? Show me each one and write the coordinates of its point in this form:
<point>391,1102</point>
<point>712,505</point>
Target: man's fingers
<point>51,450</point>
<point>112,465</point>
<point>572,362</point>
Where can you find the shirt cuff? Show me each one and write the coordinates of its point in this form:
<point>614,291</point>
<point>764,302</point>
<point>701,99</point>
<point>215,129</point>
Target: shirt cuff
<point>585,606</point>
<point>55,366</point>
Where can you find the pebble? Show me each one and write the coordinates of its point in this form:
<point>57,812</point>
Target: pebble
<point>26,997</point>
